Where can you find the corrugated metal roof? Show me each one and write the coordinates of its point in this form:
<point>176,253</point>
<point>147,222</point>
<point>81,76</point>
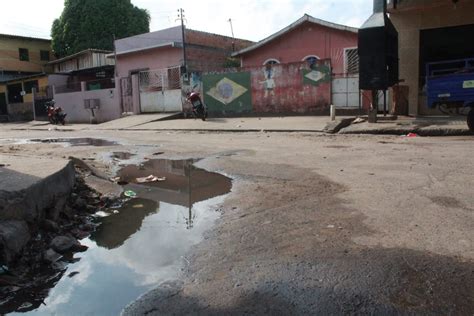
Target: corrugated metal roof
<point>90,50</point>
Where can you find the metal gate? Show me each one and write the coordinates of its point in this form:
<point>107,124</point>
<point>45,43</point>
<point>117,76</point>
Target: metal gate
<point>3,104</point>
<point>345,91</point>
<point>160,90</point>
<point>126,94</point>
<point>43,95</point>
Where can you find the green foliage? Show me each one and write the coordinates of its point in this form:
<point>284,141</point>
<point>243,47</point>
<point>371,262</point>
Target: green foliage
<point>87,24</point>
<point>231,62</point>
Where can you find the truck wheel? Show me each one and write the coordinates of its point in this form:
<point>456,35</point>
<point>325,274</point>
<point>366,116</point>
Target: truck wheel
<point>470,120</point>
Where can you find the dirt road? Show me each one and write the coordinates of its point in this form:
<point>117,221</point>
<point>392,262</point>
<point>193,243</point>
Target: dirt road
<point>315,224</point>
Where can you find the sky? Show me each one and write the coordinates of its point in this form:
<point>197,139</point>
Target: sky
<point>251,19</point>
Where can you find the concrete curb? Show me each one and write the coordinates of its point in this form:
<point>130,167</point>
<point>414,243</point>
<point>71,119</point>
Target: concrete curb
<point>421,131</point>
<point>225,130</point>
<point>29,205</point>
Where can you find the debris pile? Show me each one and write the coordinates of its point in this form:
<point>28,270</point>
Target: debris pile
<point>54,242</point>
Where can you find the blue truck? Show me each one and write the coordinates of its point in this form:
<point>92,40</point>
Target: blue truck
<point>450,86</point>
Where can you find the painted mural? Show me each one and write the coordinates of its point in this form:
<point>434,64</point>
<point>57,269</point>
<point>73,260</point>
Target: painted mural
<point>227,92</point>
<point>301,87</point>
<point>317,74</point>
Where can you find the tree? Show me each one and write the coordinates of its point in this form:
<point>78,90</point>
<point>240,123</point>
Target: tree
<point>87,24</point>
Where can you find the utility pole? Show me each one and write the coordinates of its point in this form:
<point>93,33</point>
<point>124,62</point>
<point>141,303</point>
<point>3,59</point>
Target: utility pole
<point>182,18</point>
<point>115,58</point>
<point>233,37</point>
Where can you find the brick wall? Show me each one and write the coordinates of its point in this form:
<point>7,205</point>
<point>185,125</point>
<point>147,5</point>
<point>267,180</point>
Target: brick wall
<point>215,40</point>
<point>207,51</point>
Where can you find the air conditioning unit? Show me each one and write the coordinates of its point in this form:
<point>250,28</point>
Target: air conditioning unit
<point>90,104</point>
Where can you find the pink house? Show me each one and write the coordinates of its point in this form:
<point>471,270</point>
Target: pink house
<point>149,67</point>
<point>305,39</point>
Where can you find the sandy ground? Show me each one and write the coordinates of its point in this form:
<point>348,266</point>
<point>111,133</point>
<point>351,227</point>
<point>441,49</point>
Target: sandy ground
<point>316,224</point>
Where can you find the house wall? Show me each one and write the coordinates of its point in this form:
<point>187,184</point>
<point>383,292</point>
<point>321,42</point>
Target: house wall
<point>24,111</point>
<point>281,89</point>
<point>307,39</point>
<point>418,15</point>
<point>73,105</point>
<point>152,59</point>
<point>10,58</point>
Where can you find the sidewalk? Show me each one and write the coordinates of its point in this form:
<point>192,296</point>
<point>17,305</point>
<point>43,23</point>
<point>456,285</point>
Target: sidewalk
<point>242,124</point>
<point>423,126</point>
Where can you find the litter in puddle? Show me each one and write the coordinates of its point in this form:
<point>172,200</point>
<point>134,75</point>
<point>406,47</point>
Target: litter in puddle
<point>150,178</point>
<point>129,193</point>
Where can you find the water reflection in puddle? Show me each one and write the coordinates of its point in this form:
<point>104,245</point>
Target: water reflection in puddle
<point>144,243</point>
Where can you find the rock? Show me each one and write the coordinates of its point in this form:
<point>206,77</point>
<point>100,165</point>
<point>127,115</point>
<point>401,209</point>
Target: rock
<point>50,226</point>
<point>14,235</point>
<point>91,209</point>
<point>51,256</point>
<point>88,227</point>
<point>80,203</point>
<point>79,248</point>
<point>63,244</point>
<point>80,234</point>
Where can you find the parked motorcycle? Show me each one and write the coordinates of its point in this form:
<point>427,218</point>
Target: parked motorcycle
<point>55,114</point>
<point>199,108</point>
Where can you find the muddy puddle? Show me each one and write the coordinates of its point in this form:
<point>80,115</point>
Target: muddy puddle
<point>139,243</point>
<point>84,141</point>
<point>122,155</point>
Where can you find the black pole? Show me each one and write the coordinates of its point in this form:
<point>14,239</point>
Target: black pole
<point>360,104</point>
<point>181,16</point>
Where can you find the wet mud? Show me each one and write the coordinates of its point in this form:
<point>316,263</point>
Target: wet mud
<point>288,248</point>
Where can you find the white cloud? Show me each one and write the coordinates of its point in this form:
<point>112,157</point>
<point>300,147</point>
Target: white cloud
<point>252,19</point>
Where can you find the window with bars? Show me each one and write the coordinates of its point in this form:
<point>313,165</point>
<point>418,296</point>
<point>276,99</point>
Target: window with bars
<point>351,60</point>
<point>24,54</point>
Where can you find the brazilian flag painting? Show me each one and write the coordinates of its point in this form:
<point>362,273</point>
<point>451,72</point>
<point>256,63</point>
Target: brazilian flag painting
<point>227,93</point>
<point>317,75</point>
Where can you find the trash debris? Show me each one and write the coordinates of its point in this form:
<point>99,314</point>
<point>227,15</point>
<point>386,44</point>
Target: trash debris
<point>3,270</point>
<point>138,206</point>
<point>2,165</point>
<point>129,193</point>
<point>158,153</point>
<point>330,226</point>
<point>70,275</point>
<point>102,214</point>
<point>411,135</point>
<point>115,211</point>
<point>150,178</point>
<point>358,120</point>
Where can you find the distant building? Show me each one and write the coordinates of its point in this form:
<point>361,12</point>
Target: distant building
<point>430,31</point>
<point>91,66</point>
<point>23,56</point>
<point>164,49</point>
<point>158,59</point>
